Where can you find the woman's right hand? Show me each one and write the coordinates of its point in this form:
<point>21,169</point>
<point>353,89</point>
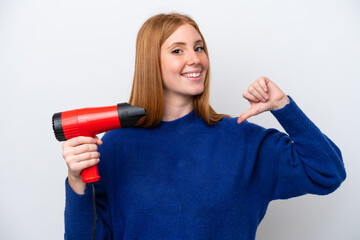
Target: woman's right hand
<point>80,153</point>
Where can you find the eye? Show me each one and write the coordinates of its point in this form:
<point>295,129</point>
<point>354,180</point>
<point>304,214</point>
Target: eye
<point>176,51</point>
<point>199,49</point>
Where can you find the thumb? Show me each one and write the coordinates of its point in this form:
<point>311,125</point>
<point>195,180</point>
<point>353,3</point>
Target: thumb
<point>249,113</point>
<point>98,140</point>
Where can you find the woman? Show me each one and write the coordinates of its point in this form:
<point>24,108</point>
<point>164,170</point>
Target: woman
<point>186,172</point>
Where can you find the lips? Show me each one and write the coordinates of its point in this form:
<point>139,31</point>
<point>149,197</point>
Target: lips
<point>192,74</point>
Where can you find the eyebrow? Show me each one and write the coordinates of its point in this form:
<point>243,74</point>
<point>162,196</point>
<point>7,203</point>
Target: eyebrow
<point>182,43</point>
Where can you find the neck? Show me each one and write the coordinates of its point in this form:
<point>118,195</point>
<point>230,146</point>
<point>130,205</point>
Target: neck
<point>177,107</point>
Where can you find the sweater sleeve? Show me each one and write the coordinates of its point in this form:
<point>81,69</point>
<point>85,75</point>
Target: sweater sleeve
<point>302,161</point>
<point>79,214</point>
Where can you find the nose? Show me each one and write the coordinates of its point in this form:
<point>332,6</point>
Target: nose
<point>193,58</point>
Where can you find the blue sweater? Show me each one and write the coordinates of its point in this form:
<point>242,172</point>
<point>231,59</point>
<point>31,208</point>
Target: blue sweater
<point>187,180</point>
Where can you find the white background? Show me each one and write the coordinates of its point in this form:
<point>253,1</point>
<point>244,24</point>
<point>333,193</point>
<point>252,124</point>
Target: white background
<point>61,55</point>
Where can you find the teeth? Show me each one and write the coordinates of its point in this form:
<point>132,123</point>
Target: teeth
<point>191,75</point>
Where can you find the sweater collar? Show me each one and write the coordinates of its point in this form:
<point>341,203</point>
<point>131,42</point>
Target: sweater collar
<point>180,122</point>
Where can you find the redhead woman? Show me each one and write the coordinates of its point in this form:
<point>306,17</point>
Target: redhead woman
<point>185,171</point>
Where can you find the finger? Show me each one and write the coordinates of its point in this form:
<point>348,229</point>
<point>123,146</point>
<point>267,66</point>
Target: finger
<point>262,82</point>
<point>260,90</point>
<point>87,156</point>
<point>81,157</point>
<point>253,91</point>
<point>250,97</point>
<point>84,148</point>
<point>78,141</point>
<point>77,167</point>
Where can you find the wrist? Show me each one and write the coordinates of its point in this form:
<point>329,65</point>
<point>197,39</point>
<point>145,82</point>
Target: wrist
<point>282,103</point>
<point>76,183</point>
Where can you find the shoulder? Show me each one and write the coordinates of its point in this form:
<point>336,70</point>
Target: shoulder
<point>247,133</point>
<point>114,139</point>
<point>230,125</point>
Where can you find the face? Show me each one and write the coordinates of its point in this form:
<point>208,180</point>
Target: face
<point>183,63</point>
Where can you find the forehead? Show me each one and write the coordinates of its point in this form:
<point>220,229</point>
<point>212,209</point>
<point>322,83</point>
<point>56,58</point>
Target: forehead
<point>186,33</point>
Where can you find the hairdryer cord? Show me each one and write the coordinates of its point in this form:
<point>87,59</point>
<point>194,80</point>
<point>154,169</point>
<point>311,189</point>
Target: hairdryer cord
<point>95,217</point>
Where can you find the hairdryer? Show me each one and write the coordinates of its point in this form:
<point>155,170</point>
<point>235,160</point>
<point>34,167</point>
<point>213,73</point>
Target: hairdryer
<point>91,121</point>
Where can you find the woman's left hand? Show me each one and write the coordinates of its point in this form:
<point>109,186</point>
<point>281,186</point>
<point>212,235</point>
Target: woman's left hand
<point>263,95</point>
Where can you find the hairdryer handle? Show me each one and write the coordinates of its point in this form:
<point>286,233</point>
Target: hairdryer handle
<point>90,174</point>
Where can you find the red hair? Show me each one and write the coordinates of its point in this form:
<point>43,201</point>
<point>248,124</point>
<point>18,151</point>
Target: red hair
<point>147,89</point>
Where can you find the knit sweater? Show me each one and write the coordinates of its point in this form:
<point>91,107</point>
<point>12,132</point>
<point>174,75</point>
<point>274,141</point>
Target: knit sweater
<point>187,180</point>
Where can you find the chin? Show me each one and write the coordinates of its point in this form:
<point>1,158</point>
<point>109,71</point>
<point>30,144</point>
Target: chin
<point>198,92</point>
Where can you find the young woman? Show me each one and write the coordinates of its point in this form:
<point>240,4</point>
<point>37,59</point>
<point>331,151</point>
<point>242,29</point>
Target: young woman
<point>186,172</point>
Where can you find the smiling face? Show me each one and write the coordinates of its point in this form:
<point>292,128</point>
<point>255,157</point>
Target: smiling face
<point>184,63</point>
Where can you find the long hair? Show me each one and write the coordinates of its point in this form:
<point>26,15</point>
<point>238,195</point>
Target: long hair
<point>147,89</point>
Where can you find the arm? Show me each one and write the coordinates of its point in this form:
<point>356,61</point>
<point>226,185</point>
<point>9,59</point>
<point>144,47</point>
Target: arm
<point>80,153</point>
<point>305,160</point>
<point>79,214</point>
<point>302,161</point>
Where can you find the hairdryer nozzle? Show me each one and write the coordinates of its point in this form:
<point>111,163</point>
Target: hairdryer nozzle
<point>129,114</point>
<point>57,127</point>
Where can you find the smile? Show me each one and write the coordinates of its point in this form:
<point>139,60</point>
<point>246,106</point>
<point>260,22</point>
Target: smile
<point>191,75</point>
